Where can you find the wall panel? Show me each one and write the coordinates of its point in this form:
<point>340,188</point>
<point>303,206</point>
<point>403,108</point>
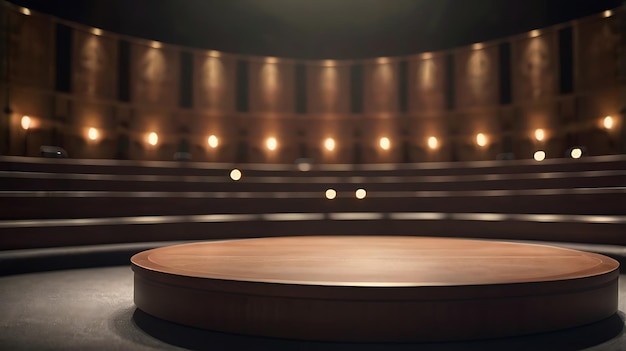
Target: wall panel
<point>328,88</point>
<point>535,65</point>
<point>426,83</point>
<point>597,53</point>
<point>31,50</point>
<point>381,87</point>
<point>94,61</point>
<point>272,86</point>
<point>214,82</point>
<point>154,75</point>
<point>477,77</point>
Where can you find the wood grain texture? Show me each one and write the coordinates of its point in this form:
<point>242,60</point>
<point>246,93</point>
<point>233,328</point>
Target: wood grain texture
<point>375,288</point>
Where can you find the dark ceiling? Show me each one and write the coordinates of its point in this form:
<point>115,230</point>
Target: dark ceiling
<point>320,28</point>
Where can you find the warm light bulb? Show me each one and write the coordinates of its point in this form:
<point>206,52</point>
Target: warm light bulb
<point>608,122</point>
<point>433,142</point>
<point>213,141</point>
<point>153,138</point>
<point>539,155</point>
<point>360,194</point>
<point>331,194</point>
<point>329,144</point>
<point>576,152</point>
<point>96,31</point>
<point>92,134</point>
<point>155,45</point>
<point>539,134</point>
<point>384,143</point>
<point>271,144</point>
<point>235,174</point>
<point>25,11</point>
<point>481,139</point>
<point>607,13</point>
<point>25,122</point>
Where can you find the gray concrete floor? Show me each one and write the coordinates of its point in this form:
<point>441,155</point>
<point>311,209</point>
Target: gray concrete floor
<point>92,309</point>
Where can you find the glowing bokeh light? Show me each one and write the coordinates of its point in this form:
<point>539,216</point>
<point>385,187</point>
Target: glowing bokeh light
<point>329,144</point>
<point>481,139</point>
<point>331,194</point>
<point>25,122</point>
<point>96,31</point>
<point>433,142</point>
<point>93,134</point>
<point>539,155</point>
<point>235,174</point>
<point>360,194</point>
<point>384,143</point>
<point>25,11</point>
<point>153,138</point>
<point>271,143</point>
<point>607,13</point>
<point>608,122</point>
<point>213,141</point>
<point>539,134</point>
<point>576,152</point>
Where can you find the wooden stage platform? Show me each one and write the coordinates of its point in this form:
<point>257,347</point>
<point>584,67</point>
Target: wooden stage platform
<point>375,288</point>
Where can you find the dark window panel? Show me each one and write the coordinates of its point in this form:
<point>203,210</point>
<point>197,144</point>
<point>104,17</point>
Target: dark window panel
<point>63,58</point>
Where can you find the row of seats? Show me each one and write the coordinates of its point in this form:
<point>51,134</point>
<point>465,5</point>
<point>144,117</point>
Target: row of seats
<point>56,202</point>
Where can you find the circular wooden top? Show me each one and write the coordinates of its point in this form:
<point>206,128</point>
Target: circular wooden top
<point>376,261</point>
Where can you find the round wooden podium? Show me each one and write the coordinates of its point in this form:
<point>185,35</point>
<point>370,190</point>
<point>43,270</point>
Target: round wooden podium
<point>375,288</point>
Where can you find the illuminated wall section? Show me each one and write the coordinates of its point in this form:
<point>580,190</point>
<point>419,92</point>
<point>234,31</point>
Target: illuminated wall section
<point>154,88</point>
<point>477,75</point>
<point>427,107</point>
<point>421,129</point>
<point>31,61</point>
<point>430,131</point>
<point>94,80</point>
<point>328,87</point>
<point>544,116</point>
<point>329,138</point>
<point>535,82</point>
<point>597,53</point>
<point>94,59</point>
<point>476,101</point>
<point>214,82</point>
<point>427,80</point>
<point>272,85</point>
<point>381,86</point>
<point>31,50</point>
<point>535,65</point>
<point>154,77</point>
